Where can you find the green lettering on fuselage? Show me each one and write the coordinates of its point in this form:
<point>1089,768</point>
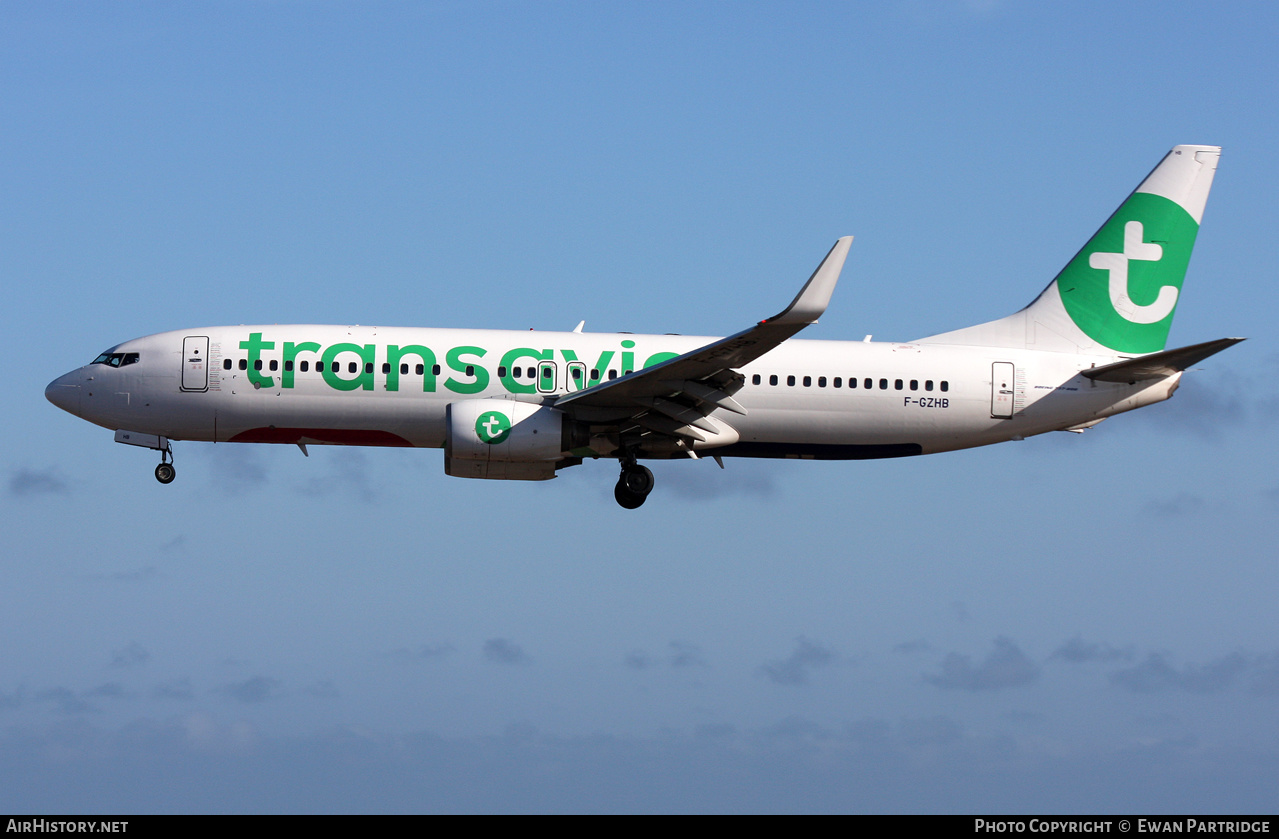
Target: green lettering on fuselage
<point>628,358</point>
<point>394,354</point>
<point>254,347</point>
<point>473,370</point>
<point>601,365</point>
<point>364,375</point>
<point>339,370</point>
<point>291,351</point>
<point>507,380</point>
<point>658,358</point>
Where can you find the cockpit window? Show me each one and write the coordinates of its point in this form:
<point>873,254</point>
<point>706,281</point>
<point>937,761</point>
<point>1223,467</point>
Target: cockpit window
<point>117,359</point>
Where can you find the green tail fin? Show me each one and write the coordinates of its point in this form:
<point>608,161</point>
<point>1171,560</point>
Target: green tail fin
<point>1120,292</point>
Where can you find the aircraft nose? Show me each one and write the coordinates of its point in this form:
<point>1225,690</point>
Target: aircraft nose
<point>64,392</point>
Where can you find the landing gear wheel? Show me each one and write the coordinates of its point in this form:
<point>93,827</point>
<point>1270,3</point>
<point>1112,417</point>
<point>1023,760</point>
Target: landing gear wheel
<point>633,485</point>
<point>638,480</point>
<point>164,473</point>
<point>627,499</point>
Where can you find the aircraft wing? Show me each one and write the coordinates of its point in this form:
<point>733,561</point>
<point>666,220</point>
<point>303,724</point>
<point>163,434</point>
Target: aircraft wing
<point>1159,364</point>
<point>674,397</point>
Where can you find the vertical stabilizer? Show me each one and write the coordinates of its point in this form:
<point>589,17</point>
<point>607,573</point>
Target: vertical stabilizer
<point>1120,292</point>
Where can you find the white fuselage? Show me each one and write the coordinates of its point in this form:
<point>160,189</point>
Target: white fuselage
<point>391,387</point>
<point>521,405</point>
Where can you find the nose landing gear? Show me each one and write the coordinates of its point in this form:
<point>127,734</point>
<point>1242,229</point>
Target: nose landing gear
<point>164,473</point>
<point>633,485</point>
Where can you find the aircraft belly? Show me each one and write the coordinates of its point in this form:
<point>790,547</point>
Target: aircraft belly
<point>342,419</point>
<point>832,425</point>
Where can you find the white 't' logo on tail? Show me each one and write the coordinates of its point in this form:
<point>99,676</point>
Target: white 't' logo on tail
<point>1117,265</point>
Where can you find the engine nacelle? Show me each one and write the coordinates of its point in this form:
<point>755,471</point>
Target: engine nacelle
<point>502,439</point>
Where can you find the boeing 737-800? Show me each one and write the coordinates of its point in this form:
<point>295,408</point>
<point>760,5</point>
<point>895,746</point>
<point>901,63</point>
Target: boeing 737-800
<point>513,405</point>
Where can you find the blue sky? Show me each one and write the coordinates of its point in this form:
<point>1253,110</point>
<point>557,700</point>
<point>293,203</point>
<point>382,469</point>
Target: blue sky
<point>1070,623</point>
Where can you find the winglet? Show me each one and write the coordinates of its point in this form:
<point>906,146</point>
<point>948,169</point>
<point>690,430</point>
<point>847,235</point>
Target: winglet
<point>701,373</point>
<point>813,298</point>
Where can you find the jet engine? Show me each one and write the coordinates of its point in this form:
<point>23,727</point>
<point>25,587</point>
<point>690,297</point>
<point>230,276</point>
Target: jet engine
<point>503,439</point>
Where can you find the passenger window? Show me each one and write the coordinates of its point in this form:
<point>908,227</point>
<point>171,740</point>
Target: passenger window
<point>404,368</point>
<point>772,380</point>
<point>914,384</point>
<point>275,365</point>
<point>226,364</point>
<point>244,365</point>
<point>303,366</point>
<point>257,364</point>
<point>928,385</point>
<point>501,372</point>
<point>870,383</point>
<point>945,386</point>
<point>883,384</point>
<point>612,374</point>
<point>319,366</point>
<point>808,381</point>
<point>386,368</point>
<point>517,371</point>
<point>756,379</point>
<point>352,367</point>
<point>595,375</point>
<point>790,381</point>
<point>577,374</point>
<point>470,369</point>
<point>420,369</point>
<point>897,384</point>
<point>821,381</point>
<point>435,369</point>
<point>368,367</point>
<point>839,382</point>
<point>288,366</point>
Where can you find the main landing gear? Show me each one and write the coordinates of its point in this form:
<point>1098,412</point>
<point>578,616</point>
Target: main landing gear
<point>633,485</point>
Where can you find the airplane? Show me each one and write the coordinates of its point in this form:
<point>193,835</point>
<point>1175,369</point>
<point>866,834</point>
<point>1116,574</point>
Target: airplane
<point>515,405</point>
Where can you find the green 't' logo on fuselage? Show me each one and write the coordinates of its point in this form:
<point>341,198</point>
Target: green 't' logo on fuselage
<point>1122,288</point>
<point>493,427</point>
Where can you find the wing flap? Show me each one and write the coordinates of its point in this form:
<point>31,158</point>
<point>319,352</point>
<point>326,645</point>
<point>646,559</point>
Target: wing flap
<point>703,393</point>
<point>676,411</point>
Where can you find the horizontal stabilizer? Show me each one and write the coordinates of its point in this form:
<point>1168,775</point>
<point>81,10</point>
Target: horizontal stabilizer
<point>1158,365</point>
